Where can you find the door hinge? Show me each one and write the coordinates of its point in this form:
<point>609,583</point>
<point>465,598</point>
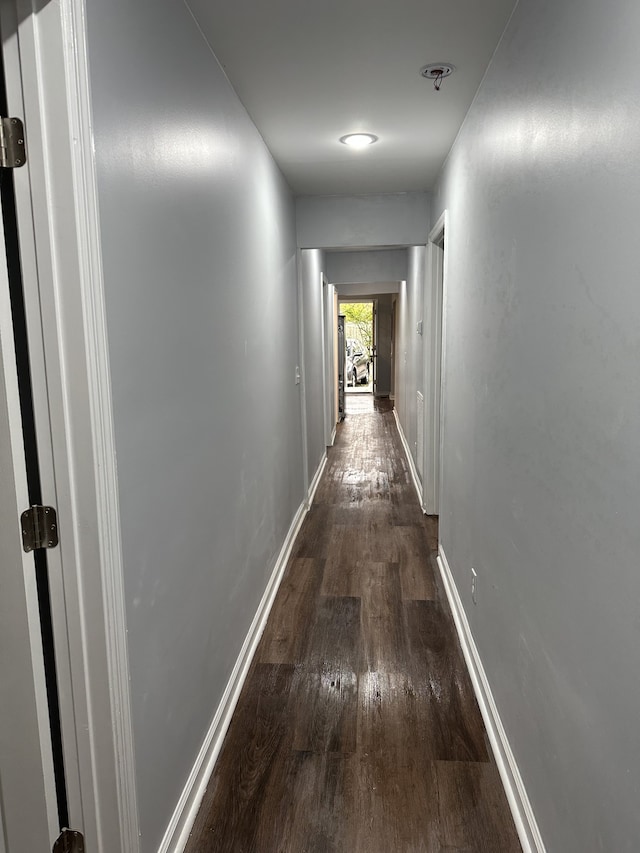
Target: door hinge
<point>39,528</point>
<point>12,149</point>
<point>70,841</point>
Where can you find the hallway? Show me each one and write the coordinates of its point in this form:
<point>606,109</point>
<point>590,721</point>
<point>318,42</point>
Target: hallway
<point>357,728</point>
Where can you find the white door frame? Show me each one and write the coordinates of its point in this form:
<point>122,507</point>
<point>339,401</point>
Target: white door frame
<point>434,308</point>
<point>28,807</point>
<point>47,79</point>
<point>328,361</point>
<point>374,354</point>
<point>336,394</point>
<point>302,373</point>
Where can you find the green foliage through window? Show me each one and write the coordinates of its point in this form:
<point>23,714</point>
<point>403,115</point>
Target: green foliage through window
<point>359,320</point>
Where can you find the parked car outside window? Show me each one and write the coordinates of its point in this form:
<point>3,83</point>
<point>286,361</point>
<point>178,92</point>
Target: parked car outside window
<point>357,362</point>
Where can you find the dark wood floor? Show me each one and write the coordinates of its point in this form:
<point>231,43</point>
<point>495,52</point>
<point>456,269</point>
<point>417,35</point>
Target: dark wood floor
<point>357,728</point>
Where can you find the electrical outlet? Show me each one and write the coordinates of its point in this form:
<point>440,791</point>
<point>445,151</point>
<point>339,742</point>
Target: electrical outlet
<point>297,375</point>
<point>474,586</point>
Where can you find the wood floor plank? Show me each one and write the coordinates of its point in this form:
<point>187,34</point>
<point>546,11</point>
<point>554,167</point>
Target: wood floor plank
<point>416,573</point>
<point>346,578</point>
<point>325,687</point>
<point>313,816</point>
<point>393,717</point>
<point>395,806</point>
<point>471,809</point>
<point>384,641</point>
<point>371,541</point>
<point>284,638</point>
<point>438,670</point>
<point>229,817</point>
<point>314,536</point>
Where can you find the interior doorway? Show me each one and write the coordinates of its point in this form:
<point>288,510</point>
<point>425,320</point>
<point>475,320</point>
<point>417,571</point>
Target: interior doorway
<point>360,345</point>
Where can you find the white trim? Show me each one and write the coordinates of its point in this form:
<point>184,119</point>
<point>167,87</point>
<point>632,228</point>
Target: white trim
<point>101,412</point>
<point>177,834</point>
<point>439,228</point>
<point>523,815</point>
<point>410,462</point>
<point>24,94</point>
<point>420,438</point>
<point>316,480</point>
<point>56,92</point>
<point>331,332</point>
<point>333,435</point>
<point>20,629</point>
<point>323,358</point>
<point>303,373</point>
<point>443,222</point>
<point>433,363</point>
<point>327,291</point>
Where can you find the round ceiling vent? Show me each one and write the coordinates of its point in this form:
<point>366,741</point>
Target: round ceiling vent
<point>437,70</point>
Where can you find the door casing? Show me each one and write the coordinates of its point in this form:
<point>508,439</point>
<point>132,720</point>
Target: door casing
<point>28,809</point>
<point>434,302</point>
<point>44,49</point>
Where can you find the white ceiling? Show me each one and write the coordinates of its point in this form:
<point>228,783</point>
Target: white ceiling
<point>310,72</point>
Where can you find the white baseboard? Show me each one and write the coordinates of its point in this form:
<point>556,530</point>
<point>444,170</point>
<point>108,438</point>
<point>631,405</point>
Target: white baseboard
<point>412,465</point>
<point>177,834</point>
<point>523,816</point>
<point>316,479</point>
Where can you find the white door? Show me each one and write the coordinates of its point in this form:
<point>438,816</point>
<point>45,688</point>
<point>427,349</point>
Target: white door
<point>28,810</point>
<point>45,64</point>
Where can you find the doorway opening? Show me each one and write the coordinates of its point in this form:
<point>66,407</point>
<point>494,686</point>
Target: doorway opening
<point>359,337</point>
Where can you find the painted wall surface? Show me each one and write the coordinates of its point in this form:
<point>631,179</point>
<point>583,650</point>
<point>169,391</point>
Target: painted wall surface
<point>349,291</point>
<point>542,406</point>
<point>198,242</point>
<point>311,268</point>
<point>409,350</point>
<point>332,222</point>
<point>372,266</point>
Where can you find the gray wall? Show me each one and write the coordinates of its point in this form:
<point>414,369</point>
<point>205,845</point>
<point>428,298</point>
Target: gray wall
<point>397,219</point>
<point>351,291</point>
<point>542,406</point>
<point>371,266</point>
<point>311,269</point>
<point>198,241</point>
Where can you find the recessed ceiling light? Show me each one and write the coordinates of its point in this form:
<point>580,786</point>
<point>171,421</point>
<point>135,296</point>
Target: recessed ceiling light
<point>358,140</point>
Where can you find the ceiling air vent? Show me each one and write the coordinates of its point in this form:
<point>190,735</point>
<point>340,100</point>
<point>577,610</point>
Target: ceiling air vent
<point>437,71</point>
